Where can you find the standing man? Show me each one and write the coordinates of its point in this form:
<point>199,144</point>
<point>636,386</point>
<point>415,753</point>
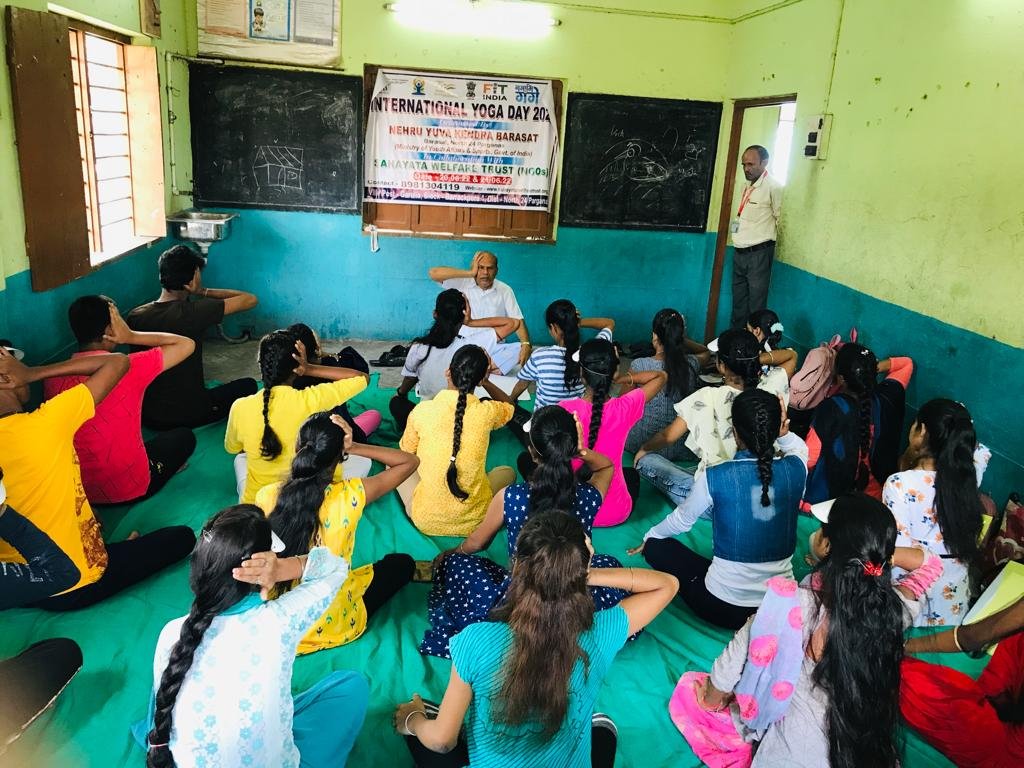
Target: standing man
<point>753,235</point>
<point>488,296</point>
<point>178,397</point>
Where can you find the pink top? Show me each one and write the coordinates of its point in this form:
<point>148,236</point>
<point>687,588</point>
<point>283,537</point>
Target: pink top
<point>115,467</point>
<point>617,418</point>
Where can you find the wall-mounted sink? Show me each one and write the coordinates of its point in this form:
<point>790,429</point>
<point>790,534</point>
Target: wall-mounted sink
<point>201,227</point>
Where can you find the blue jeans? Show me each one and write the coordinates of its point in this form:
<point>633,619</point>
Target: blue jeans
<point>671,480</point>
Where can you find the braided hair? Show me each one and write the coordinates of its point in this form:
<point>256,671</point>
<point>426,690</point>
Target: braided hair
<point>563,315</point>
<point>553,438</point>
<point>296,515</point>
<point>859,368</point>
<point>229,537</point>
<point>449,315</point>
<point>757,417</point>
<point>467,370</point>
<point>598,363</point>
<point>276,366</point>
<point>738,350</point>
<point>670,328</point>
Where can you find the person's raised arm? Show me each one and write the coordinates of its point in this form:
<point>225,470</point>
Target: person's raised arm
<point>602,471</point>
<point>651,382</point>
<point>503,326</point>
<point>440,274</point>
<point>666,437</point>
<point>650,591</point>
<point>234,301</point>
<point>175,348</point>
<point>495,392</point>
<point>597,323</point>
<point>103,372</point>
<point>483,535</point>
<point>518,389</point>
<point>329,372</point>
<point>899,368</point>
<point>442,733</point>
<point>782,358</point>
<point>399,464</point>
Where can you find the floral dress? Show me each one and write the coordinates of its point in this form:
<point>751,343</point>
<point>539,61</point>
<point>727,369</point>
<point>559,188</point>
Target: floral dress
<point>469,586</point>
<point>911,497</point>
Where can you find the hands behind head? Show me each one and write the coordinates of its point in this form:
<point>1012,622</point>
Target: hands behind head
<point>120,333</point>
<point>13,373</point>
<point>784,424</point>
<point>299,356</point>
<point>337,421</point>
<point>260,569</point>
<point>581,441</point>
<point>467,312</point>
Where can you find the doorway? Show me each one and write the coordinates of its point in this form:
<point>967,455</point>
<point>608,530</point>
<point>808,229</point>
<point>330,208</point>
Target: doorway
<point>770,122</point>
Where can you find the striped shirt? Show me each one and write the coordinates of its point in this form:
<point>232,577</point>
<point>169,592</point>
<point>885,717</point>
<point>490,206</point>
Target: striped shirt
<point>546,366</point>
<point>479,653</point>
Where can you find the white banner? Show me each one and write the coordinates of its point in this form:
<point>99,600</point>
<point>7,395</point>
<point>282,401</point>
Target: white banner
<point>441,139</point>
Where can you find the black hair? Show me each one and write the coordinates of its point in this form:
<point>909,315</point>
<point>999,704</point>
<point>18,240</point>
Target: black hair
<point>296,515</point>
<point>177,266</point>
<point>761,152</point>
<point>738,350</point>
<point>228,538</point>
<point>951,442</point>
<point>859,368</point>
<point>276,365</point>
<point>763,320</point>
<point>553,436</point>
<point>756,418</point>
<point>89,317</point>
<point>450,311</point>
<point>468,368</point>
<point>598,363</point>
<point>563,315</point>
<point>859,667</point>
<point>670,328</point>
<point>305,334</point>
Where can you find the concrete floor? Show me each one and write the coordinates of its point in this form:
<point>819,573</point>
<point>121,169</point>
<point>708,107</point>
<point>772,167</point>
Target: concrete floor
<point>224,361</point>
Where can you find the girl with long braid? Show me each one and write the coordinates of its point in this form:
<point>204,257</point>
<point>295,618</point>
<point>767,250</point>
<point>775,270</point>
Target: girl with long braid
<point>430,355</point>
<point>468,586</point>
<point>855,435</point>
<point>556,369</point>
<point>814,678</point>
<point>937,504</point>
<point>310,509</point>
<point>223,673</point>
<point>607,420</point>
<point>262,427</point>
<point>705,417</point>
<point>753,501</point>
<point>450,434</point>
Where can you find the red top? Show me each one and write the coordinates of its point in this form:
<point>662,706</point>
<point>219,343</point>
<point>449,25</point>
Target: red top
<point>115,467</point>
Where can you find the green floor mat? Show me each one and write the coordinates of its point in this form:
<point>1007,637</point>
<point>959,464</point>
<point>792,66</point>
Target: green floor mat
<point>89,724</point>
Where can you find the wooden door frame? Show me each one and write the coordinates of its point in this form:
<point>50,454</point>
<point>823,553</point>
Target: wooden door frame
<point>740,106</point>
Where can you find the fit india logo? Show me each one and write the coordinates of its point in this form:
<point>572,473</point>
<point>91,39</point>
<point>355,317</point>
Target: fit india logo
<point>470,89</point>
<point>417,87</point>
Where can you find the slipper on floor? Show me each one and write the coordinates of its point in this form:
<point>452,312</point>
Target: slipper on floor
<point>393,358</point>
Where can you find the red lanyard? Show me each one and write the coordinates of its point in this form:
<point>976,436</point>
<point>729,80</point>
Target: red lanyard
<point>746,195</point>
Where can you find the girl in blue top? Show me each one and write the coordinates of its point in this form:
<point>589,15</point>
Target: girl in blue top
<point>529,679</point>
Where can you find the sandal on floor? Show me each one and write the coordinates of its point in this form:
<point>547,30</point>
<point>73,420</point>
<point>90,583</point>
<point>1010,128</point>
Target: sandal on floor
<point>393,358</point>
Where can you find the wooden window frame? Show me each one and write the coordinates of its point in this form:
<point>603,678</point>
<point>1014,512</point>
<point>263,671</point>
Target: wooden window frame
<point>456,222</point>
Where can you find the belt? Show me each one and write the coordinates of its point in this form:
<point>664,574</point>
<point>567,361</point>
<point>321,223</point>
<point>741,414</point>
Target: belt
<point>758,247</point>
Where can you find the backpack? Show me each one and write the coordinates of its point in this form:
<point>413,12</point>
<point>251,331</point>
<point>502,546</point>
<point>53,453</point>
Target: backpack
<point>814,381</point>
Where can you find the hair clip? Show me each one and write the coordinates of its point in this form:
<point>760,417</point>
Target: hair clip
<point>526,426</point>
<point>776,328</point>
<point>207,535</point>
<point>872,569</point>
<point>576,356</point>
<point>865,352</point>
<point>157,746</point>
<point>453,458</point>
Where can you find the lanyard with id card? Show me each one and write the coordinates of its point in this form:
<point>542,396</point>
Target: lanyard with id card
<point>734,226</point>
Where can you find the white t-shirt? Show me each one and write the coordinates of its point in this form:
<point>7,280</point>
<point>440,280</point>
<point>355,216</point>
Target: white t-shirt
<point>497,301</point>
<point>428,364</point>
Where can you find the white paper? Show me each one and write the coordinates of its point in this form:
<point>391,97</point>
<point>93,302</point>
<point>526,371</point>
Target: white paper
<point>226,17</point>
<point>314,22</point>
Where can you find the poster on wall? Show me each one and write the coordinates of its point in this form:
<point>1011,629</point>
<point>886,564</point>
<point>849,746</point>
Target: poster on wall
<point>305,32</point>
<point>440,139</point>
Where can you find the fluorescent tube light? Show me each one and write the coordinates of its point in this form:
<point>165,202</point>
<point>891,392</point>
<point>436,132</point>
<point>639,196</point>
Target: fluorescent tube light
<point>477,18</point>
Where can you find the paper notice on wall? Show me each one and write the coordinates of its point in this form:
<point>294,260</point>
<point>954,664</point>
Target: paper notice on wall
<point>439,139</point>
<point>314,22</point>
<point>303,32</point>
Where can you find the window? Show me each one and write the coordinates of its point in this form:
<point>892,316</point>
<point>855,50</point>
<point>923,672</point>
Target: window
<point>88,122</point>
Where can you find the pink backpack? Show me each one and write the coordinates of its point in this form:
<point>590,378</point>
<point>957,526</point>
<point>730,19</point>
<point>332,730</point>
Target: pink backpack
<point>814,381</point>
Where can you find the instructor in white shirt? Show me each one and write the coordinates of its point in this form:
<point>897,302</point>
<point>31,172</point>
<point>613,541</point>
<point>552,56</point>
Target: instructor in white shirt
<point>488,296</point>
<point>753,236</point>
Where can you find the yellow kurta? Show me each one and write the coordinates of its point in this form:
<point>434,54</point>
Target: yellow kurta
<point>345,618</point>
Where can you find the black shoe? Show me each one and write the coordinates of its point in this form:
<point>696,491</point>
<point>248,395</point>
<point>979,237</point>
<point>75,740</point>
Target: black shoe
<point>604,738</point>
<point>38,675</point>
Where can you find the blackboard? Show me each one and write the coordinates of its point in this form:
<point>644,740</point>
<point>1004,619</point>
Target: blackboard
<point>270,138</point>
<point>637,163</point>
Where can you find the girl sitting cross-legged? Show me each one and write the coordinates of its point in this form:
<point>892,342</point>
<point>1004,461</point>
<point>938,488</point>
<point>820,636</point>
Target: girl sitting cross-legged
<point>222,675</point>
<point>466,586</point>
<point>450,434</point>
<point>309,509</point>
<point>753,502</point>
<point>529,678</point>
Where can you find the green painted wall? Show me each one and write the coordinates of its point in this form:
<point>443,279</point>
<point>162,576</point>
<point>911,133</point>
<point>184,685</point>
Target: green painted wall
<point>918,202</point>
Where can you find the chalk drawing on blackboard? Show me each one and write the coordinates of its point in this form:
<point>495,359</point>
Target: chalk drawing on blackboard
<point>278,167</point>
<point>638,168</point>
<point>338,115</point>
